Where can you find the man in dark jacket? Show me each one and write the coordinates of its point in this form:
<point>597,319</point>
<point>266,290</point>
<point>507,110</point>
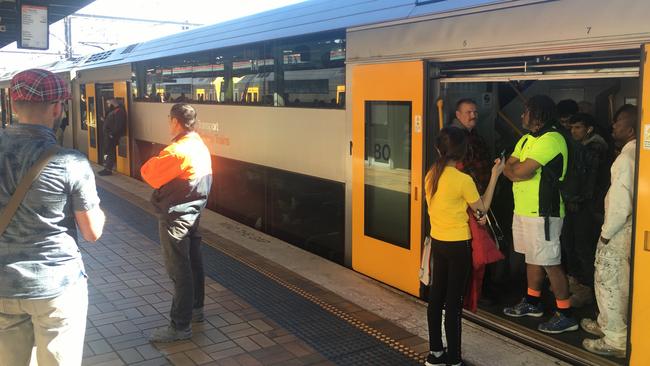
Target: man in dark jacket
<point>182,177</point>
<point>583,219</point>
<point>114,129</point>
<point>477,161</point>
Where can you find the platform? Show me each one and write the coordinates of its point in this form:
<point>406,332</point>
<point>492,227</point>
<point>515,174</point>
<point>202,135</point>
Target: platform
<point>267,302</point>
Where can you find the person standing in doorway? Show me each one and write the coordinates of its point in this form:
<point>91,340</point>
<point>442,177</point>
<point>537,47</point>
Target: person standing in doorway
<point>449,192</point>
<point>612,274</point>
<point>114,129</point>
<point>536,167</point>
<point>43,288</point>
<point>182,177</point>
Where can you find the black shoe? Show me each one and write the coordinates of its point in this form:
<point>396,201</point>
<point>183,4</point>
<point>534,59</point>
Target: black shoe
<point>436,361</point>
<point>104,172</point>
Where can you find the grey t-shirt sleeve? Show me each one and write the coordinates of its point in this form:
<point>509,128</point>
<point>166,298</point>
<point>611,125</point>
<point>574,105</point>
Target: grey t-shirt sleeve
<point>83,191</point>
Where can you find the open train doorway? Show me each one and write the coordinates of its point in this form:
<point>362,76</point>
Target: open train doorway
<point>97,98</point>
<point>594,85</point>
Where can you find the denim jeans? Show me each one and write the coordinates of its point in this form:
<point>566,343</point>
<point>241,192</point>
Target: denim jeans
<point>56,326</point>
<point>181,249</point>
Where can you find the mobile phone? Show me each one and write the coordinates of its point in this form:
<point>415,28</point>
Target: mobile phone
<point>502,156</point>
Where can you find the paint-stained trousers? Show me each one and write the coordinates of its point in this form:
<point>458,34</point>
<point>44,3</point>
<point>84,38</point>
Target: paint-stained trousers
<point>611,285</point>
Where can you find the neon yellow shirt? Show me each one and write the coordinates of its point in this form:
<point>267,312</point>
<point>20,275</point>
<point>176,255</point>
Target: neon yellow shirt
<point>448,207</point>
<point>549,150</point>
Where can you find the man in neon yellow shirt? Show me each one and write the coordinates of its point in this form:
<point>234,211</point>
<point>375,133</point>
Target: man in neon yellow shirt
<point>536,166</point>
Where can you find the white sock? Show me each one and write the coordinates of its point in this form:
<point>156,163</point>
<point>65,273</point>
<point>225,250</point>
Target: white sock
<point>436,353</point>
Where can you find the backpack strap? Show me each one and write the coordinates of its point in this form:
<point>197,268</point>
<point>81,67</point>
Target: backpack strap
<point>23,187</point>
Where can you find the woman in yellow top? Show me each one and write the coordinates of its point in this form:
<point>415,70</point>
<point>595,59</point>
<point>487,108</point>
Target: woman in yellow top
<point>449,192</point>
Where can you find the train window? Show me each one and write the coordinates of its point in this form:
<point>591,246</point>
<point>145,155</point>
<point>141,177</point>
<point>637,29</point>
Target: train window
<point>314,71</point>
<point>388,172</point>
<point>253,76</point>
<point>307,71</point>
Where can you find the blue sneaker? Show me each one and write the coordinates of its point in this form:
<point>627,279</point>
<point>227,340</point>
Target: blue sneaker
<point>524,308</point>
<point>559,323</point>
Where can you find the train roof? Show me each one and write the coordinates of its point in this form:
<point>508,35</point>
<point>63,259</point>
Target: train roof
<point>311,16</point>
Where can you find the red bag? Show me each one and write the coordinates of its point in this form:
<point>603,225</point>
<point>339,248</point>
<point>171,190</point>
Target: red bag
<point>484,251</point>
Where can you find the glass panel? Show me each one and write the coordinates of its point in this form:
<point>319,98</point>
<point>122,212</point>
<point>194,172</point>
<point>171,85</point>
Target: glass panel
<point>307,71</point>
<point>82,108</point>
<point>314,71</point>
<point>388,172</point>
<point>91,122</point>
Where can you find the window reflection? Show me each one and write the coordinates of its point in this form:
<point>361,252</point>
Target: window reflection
<point>308,71</point>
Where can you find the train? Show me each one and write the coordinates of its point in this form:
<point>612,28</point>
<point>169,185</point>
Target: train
<point>321,116</point>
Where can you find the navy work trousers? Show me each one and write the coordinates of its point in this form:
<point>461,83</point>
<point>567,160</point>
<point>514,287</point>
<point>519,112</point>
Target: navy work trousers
<point>181,249</point>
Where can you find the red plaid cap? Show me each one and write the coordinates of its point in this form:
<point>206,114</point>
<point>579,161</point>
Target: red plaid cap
<point>38,86</point>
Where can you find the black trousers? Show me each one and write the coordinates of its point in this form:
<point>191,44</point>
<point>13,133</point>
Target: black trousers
<point>452,265</point>
<point>109,151</point>
<point>580,232</point>
<point>181,249</point>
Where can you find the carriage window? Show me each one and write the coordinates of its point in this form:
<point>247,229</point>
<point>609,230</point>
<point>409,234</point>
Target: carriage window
<point>388,172</point>
<point>314,72</point>
<point>308,71</point>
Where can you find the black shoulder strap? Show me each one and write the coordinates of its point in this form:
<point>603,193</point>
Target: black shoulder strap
<point>23,187</point>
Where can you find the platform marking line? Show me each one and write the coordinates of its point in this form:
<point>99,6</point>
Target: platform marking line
<point>394,344</point>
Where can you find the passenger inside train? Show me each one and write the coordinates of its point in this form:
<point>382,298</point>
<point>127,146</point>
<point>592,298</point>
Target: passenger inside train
<point>586,109</point>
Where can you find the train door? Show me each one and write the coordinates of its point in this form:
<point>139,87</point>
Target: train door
<point>639,344</point>
<point>122,164</point>
<point>97,95</point>
<point>91,115</point>
<point>387,172</point>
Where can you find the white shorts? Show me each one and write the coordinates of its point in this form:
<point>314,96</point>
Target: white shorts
<point>528,239</point>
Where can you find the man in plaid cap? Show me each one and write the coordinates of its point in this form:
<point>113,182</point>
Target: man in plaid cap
<point>43,290</point>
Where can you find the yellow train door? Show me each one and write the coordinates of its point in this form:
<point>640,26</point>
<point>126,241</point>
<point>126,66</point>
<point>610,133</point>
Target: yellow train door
<point>387,172</point>
<point>122,163</point>
<point>91,115</point>
<point>639,343</point>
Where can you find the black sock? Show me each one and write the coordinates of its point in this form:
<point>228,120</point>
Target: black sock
<point>533,300</point>
<point>566,312</point>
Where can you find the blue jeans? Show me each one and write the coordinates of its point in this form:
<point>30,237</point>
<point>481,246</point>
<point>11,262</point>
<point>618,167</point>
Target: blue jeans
<point>56,326</point>
<point>181,249</point>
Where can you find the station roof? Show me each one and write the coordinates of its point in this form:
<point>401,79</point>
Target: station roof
<point>311,16</point>
<point>9,14</point>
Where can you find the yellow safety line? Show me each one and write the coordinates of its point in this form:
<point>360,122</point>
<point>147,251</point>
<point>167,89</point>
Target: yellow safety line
<point>396,345</point>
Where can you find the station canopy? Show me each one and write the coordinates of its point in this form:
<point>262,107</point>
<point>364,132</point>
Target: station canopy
<point>10,15</point>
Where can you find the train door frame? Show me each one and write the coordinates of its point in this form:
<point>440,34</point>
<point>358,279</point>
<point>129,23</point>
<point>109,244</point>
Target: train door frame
<point>397,85</point>
<point>91,117</point>
<point>120,91</point>
<point>638,344</point>
<point>541,341</point>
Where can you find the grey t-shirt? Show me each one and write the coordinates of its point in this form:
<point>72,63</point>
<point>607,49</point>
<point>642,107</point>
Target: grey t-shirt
<point>39,256</point>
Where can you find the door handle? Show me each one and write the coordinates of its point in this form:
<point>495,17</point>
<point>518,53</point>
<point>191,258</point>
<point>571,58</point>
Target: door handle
<point>416,192</point>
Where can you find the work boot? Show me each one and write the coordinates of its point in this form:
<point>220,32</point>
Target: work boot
<point>591,326</point>
<point>599,347</point>
<point>581,295</point>
<point>197,315</point>
<point>169,334</point>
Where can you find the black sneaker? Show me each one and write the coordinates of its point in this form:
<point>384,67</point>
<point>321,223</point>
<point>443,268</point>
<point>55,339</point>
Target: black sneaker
<point>104,172</point>
<point>436,361</point>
